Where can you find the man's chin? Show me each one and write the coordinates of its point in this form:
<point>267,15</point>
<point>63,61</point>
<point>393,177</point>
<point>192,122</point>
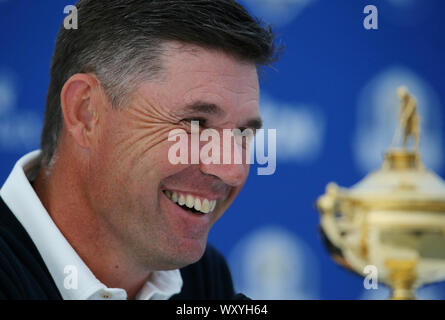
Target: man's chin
<point>189,252</point>
<point>193,251</point>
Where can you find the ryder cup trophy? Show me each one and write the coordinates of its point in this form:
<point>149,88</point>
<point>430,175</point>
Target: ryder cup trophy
<point>393,219</point>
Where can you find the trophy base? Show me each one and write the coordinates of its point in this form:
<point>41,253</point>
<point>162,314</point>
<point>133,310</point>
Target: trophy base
<point>403,296</point>
<point>402,276</point>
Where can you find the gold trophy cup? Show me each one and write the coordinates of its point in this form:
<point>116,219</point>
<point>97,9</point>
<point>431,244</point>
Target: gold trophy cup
<point>393,219</point>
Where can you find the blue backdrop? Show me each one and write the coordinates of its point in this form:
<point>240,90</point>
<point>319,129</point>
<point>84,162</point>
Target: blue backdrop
<point>331,98</point>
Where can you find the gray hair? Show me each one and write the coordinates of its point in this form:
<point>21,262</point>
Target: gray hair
<point>121,42</point>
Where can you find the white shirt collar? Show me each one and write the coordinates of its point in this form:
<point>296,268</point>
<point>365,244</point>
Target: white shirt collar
<point>64,264</point>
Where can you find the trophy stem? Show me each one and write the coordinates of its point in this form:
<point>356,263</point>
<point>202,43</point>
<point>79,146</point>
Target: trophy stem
<point>402,277</point>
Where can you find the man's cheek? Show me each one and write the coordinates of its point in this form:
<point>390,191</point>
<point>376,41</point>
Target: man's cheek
<point>224,205</point>
<point>151,166</point>
<point>247,170</point>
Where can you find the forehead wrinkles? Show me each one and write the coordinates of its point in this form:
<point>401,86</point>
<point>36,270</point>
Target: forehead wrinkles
<point>237,103</point>
<point>239,94</point>
<point>221,88</point>
<point>205,75</point>
<point>196,82</point>
<point>240,77</point>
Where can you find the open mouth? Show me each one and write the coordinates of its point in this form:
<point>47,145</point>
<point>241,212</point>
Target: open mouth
<point>191,203</point>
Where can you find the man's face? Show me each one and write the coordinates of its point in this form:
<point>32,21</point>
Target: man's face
<point>131,180</point>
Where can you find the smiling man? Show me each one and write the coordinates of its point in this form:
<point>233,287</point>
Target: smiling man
<point>100,212</point>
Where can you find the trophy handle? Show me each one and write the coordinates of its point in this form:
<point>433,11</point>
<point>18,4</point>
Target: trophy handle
<point>328,204</point>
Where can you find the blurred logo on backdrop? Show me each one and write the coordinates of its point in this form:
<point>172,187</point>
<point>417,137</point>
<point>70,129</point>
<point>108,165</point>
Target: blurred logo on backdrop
<point>19,129</point>
<point>377,113</point>
<point>300,129</point>
<point>273,263</point>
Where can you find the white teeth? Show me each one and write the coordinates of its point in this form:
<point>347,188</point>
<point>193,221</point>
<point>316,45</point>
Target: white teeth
<point>212,205</point>
<point>203,206</point>
<point>198,204</point>
<point>181,200</point>
<point>190,201</point>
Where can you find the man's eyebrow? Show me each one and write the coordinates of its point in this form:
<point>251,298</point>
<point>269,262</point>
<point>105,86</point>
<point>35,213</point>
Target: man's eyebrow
<point>201,107</point>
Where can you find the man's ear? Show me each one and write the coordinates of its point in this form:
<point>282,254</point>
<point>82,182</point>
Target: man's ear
<point>79,100</point>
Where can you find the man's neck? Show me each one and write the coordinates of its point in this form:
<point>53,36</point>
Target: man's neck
<point>62,195</point>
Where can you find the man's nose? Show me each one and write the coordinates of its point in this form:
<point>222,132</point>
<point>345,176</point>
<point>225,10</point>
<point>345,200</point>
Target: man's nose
<point>231,174</point>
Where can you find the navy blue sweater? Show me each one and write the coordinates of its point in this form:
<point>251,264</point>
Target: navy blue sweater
<point>24,276</point>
